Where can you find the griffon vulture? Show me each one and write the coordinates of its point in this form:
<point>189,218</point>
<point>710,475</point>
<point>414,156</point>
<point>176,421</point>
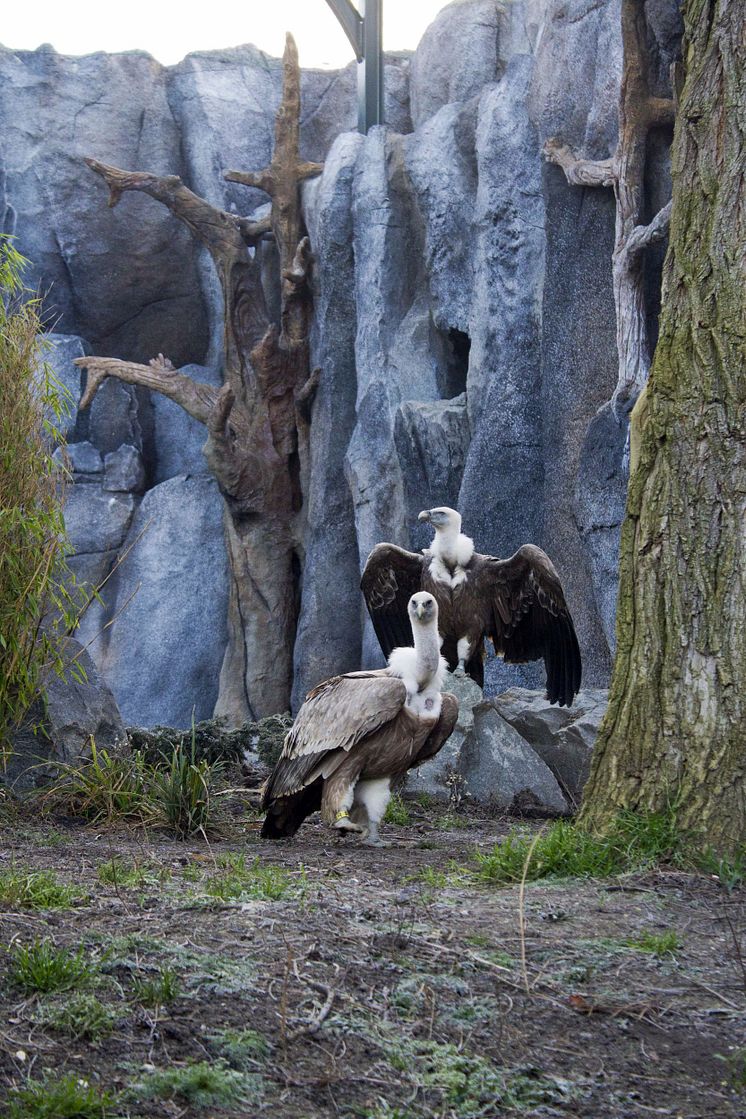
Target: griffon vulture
<point>518,603</point>
<point>356,732</point>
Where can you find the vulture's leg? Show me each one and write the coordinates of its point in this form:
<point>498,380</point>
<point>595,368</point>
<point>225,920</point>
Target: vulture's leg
<point>337,797</point>
<point>463,650</point>
<point>375,796</point>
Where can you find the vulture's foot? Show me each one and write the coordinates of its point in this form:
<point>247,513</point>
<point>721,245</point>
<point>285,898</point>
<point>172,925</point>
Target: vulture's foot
<point>459,671</point>
<point>344,824</point>
<point>371,838</point>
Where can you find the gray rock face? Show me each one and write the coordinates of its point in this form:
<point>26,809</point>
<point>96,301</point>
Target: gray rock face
<point>458,56</point>
<point>58,351</point>
<point>432,440</point>
<point>124,470</point>
<point>60,729</point>
<point>442,778</point>
<point>163,655</point>
<point>81,458</point>
<point>96,520</point>
<point>563,737</point>
<point>178,439</point>
<point>501,770</point>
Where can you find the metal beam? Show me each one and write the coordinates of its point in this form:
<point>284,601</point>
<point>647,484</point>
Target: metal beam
<point>363,27</point>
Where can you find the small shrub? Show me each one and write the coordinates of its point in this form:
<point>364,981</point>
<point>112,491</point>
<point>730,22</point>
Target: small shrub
<point>33,574</point>
<point>41,966</point>
<point>182,792</point>
<point>66,1097</point>
<point>240,879</point>
<point>397,813</point>
<point>158,990</point>
<point>106,788</point>
<point>199,1084</point>
<point>657,944</point>
<point>36,889</point>
<point>79,1016</point>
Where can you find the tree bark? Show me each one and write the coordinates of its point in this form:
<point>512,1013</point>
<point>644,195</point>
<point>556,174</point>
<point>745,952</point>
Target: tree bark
<point>625,171</point>
<point>674,729</point>
<point>257,424</point>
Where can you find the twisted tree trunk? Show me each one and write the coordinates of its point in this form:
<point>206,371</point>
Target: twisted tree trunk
<point>674,730</point>
<point>639,111</point>
<point>257,423</point>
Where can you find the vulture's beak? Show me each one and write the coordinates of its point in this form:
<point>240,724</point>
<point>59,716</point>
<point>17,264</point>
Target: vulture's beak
<point>424,515</point>
<point>419,611</point>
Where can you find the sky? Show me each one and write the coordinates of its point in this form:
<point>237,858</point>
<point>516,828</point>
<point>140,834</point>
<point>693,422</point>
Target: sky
<point>84,26</point>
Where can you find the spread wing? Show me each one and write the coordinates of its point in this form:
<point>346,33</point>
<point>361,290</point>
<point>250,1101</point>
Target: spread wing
<point>442,730</point>
<point>529,618</point>
<point>391,576</point>
<point>336,716</point>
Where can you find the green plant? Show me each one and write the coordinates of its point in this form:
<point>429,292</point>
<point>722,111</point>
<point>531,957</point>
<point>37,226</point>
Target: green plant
<point>658,944</point>
<point>240,879</point>
<point>36,889</point>
<point>66,1097</point>
<point>156,990</point>
<point>567,851</point>
<point>730,870</point>
<point>736,1062</point>
<point>182,791</point>
<point>40,966</point>
<point>397,812</point>
<point>107,787</point>
<point>79,1016</point>
<point>200,1084</point>
<point>242,1049</point>
<point>116,872</point>
<point>34,578</point>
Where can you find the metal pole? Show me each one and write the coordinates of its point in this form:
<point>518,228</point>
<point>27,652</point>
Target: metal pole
<point>363,28</point>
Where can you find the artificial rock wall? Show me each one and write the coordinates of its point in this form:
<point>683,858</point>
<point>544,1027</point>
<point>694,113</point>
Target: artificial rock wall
<point>464,321</point>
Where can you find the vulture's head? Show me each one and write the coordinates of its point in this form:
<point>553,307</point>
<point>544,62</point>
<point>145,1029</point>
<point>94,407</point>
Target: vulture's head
<point>442,519</point>
<point>423,609</point>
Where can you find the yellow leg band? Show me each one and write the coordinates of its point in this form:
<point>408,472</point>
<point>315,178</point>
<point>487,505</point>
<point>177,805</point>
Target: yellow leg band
<point>342,815</point>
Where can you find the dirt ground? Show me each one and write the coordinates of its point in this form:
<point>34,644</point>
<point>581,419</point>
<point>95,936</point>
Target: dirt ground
<point>387,984</point>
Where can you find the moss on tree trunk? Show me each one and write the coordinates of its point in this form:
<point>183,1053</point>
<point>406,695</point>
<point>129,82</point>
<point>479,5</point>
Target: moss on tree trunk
<point>675,729</point>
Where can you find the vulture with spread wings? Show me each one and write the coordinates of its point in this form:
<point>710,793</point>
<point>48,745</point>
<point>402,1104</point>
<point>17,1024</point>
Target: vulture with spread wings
<point>518,603</point>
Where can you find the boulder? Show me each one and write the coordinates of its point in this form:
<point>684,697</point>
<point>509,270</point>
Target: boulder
<point>162,657</point>
<point>502,772</point>
<point>96,520</point>
<point>124,470</point>
<point>441,777</point>
<point>81,458</point>
<point>76,708</point>
<point>563,737</point>
<point>432,440</point>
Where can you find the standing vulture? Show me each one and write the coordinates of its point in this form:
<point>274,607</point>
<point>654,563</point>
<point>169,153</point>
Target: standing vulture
<point>356,732</point>
<point>518,603</point>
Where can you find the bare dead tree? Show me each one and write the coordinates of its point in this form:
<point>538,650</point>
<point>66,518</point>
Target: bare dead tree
<point>639,111</point>
<point>257,423</point>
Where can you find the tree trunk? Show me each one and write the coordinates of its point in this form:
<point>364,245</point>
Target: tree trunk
<point>257,424</point>
<point>674,730</point>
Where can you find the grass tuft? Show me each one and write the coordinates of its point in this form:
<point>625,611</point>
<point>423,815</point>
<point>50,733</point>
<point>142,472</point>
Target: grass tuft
<point>240,879</point>
<point>81,1016</point>
<point>182,792</point>
<point>397,812</point>
<point>657,944</point>
<point>41,967</point>
<point>566,851</point>
<point>199,1084</point>
<point>158,990</point>
<point>119,874</point>
<point>36,889</point>
<point>242,1049</point>
<point>67,1097</point>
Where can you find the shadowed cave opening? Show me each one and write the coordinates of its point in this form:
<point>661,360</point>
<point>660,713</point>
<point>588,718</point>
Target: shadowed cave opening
<point>456,347</point>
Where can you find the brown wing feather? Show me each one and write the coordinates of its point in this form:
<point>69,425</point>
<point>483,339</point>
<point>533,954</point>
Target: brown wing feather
<point>336,716</point>
<point>528,617</point>
<point>442,730</point>
<point>390,578</point>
